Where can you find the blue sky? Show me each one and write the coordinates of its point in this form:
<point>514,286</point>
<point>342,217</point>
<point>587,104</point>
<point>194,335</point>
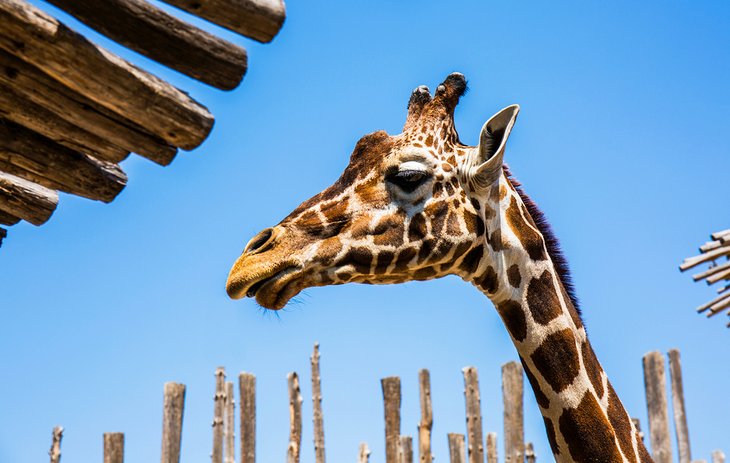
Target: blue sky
<point>622,140</point>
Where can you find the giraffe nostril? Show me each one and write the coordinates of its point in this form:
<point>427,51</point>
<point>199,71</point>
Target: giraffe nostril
<point>260,241</point>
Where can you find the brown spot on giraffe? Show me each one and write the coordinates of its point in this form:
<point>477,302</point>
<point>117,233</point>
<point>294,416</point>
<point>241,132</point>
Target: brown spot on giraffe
<point>552,439</point>
<point>587,433</point>
<point>417,229</point>
<point>542,299</point>
<point>621,424</point>
<point>497,242</point>
<point>542,400</point>
<point>531,241</point>
<point>513,275</point>
<point>514,318</point>
<point>471,260</point>
<point>488,281</point>
<point>557,359</point>
<point>593,368</point>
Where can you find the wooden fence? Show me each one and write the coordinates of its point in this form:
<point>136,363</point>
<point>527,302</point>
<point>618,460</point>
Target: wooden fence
<point>471,446</point>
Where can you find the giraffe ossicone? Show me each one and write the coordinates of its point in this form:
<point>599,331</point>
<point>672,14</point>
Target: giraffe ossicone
<point>421,205</point>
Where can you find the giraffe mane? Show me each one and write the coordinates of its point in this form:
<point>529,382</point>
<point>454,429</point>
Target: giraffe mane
<point>551,241</point>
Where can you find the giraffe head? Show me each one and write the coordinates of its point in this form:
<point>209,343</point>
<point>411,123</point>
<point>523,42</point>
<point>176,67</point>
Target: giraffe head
<point>412,206</point>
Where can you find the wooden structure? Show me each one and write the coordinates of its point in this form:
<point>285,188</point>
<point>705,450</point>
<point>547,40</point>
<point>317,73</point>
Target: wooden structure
<point>70,110</point>
<point>717,253</point>
<point>468,446</point>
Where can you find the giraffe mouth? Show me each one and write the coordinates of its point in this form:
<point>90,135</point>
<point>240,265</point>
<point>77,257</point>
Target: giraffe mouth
<point>271,290</point>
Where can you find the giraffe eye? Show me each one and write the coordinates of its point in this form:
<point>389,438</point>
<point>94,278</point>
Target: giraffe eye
<point>408,180</point>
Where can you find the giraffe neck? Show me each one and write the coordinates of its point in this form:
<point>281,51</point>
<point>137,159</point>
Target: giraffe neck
<point>584,419</point>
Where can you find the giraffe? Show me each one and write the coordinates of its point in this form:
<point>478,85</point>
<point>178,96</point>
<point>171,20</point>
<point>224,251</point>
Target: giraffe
<point>421,205</point>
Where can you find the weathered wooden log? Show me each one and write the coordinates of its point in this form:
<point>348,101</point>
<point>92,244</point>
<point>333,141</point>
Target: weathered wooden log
<point>512,394</point>
<point>62,53</point>
<point>39,88</point>
<point>711,271</point>
<point>710,245</point>
<point>457,451</point>
<point>7,219</point>
<point>718,456</point>
<point>26,200</point>
<point>637,425</point>
<point>426,424</point>
<point>247,394</point>
<point>26,154</point>
<point>317,416</point>
<point>713,302</point>
<point>492,447</point>
<point>363,455</point>
<point>114,447</point>
<point>406,449</point>
<point>724,274</point>
<point>219,403</point>
<point>3,235</point>
<point>530,456</point>
<point>258,19</point>
<point>172,420</point>
<point>655,384</point>
<point>16,108</point>
<point>721,234</point>
<point>680,413</point>
<point>719,306</point>
<point>702,258</point>
<point>475,436</point>
<point>230,420</point>
<point>391,406</point>
<point>148,30</point>
<point>55,452</point>
<point>295,419</point>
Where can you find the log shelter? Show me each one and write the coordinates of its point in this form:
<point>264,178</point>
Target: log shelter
<point>70,110</point>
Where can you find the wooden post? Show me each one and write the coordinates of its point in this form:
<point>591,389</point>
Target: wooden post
<point>26,200</point>
<point>258,19</point>
<point>457,452</point>
<point>718,456</point>
<point>152,32</point>
<point>317,416</point>
<point>656,401</point>
<point>426,424</point>
<point>391,403</point>
<point>247,394</point>
<point>295,419</point>
<point>219,402</point>
<point>475,434</point>
<point>492,447</point>
<point>637,425</point>
<point>230,431</point>
<point>406,449</point>
<point>364,453</point>
<point>680,413</point>
<point>114,447</point>
<point>512,394</point>
<point>55,452</point>
<point>41,40</point>
<point>530,456</point>
<point>172,419</point>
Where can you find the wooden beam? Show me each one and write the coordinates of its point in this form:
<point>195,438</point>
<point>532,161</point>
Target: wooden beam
<point>391,405</point>
<point>55,452</point>
<point>294,449</point>
<point>26,200</point>
<point>14,107</point>
<point>475,436</point>
<point>67,56</point>
<point>363,453</point>
<point>426,424</point>
<point>718,456</point>
<point>154,33</point>
<point>258,19</point>
<point>247,394</point>
<point>680,413</point>
<point>512,394</point>
<point>8,219</point>
<point>492,447</point>
<point>530,456</point>
<point>219,402</point>
<point>655,384</point>
<point>406,449</point>
<point>172,420</point>
<point>113,447</point>
<point>26,154</point>
<point>76,109</point>
<point>457,451</point>
<point>317,416</point>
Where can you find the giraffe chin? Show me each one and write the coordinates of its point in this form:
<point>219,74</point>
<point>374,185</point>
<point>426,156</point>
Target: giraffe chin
<point>272,289</point>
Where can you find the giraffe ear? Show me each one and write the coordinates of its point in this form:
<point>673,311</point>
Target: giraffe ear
<point>492,141</point>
